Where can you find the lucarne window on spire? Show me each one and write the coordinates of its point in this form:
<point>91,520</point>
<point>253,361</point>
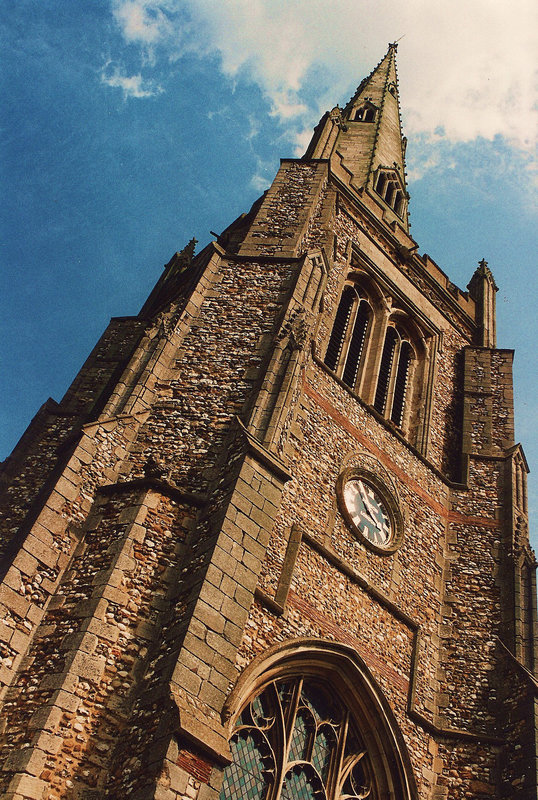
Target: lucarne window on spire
<point>387,186</point>
<point>365,113</point>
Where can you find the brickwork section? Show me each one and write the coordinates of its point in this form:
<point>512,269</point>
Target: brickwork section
<point>214,372</point>
<point>220,603</point>
<point>110,354</point>
<point>31,464</point>
<point>33,575</point>
<point>477,780</point>
<point>520,724</point>
<point>34,459</point>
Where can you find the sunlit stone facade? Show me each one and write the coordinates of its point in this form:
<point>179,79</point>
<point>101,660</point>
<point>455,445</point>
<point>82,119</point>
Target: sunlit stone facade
<point>273,542</point>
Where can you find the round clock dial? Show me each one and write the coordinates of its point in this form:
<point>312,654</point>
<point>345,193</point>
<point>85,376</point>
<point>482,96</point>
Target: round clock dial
<point>368,511</point>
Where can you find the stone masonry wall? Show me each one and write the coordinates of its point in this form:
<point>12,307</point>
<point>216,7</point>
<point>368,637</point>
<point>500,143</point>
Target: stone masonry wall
<point>158,567</point>
<point>34,572</point>
<point>215,371</point>
<point>76,698</point>
<point>37,454</point>
<point>284,218</point>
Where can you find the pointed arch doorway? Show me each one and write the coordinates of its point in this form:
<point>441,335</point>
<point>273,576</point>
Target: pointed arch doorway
<point>309,722</point>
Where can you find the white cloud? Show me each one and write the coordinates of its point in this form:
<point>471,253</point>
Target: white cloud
<point>131,85</point>
<point>467,68</point>
<point>263,174</point>
<point>144,22</point>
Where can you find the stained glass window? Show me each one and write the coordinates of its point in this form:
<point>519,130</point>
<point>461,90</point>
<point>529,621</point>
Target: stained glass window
<point>247,775</point>
<point>296,741</point>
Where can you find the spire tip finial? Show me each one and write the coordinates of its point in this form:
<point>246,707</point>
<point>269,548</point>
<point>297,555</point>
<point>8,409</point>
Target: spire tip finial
<point>394,45</point>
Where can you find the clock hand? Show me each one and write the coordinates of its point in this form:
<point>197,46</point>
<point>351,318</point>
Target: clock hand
<point>368,505</point>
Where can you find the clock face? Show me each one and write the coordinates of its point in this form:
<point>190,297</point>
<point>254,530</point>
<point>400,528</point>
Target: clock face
<point>368,511</point>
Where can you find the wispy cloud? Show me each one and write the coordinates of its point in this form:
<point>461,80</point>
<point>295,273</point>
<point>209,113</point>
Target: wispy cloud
<point>468,66</point>
<point>130,85</point>
<point>263,174</point>
<point>145,22</point>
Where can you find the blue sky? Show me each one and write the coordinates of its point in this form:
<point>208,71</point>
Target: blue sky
<point>130,126</point>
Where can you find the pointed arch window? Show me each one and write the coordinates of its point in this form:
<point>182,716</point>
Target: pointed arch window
<point>365,114</point>
<point>297,741</point>
<point>387,186</point>
<point>380,352</point>
<point>393,377</point>
<point>347,342</point>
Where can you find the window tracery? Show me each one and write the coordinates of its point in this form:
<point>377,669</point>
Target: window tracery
<point>297,741</point>
<point>378,351</point>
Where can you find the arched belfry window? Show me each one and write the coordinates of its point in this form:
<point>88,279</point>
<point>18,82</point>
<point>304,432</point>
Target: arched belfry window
<point>401,383</point>
<point>393,377</point>
<point>347,341</point>
<point>317,728</point>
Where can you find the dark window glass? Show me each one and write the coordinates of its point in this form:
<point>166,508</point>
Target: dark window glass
<point>381,183</point>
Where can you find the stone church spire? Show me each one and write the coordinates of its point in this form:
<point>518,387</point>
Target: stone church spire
<point>365,140</point>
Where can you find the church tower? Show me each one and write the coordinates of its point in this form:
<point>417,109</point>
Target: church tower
<point>273,542</point>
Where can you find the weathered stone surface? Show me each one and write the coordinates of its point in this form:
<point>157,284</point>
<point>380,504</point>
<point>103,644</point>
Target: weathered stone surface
<point>189,522</point>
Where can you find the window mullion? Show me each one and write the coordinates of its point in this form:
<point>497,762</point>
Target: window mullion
<point>289,723</point>
<point>392,380</point>
<point>401,385</point>
<point>334,782</point>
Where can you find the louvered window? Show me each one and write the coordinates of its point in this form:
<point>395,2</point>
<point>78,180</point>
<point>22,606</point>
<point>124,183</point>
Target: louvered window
<point>401,384</point>
<point>356,344</point>
<point>348,337</point>
<point>385,370</point>
<point>393,378</point>
<point>387,187</point>
<point>365,114</point>
<point>338,332</point>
